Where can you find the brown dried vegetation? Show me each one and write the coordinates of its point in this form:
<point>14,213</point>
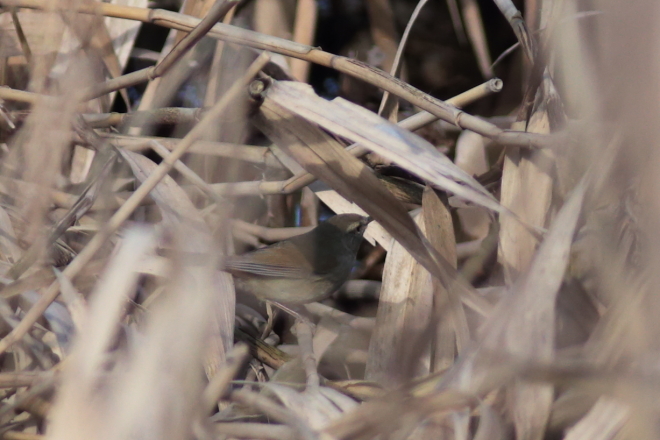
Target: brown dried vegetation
<point>504,290</point>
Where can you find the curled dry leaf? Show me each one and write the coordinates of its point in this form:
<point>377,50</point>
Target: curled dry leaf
<point>406,149</point>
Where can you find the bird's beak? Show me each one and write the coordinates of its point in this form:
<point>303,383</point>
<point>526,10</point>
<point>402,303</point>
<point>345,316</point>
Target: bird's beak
<point>365,222</point>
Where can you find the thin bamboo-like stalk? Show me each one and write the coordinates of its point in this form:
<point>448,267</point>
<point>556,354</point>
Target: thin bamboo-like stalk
<point>303,32</point>
<point>10,94</point>
<point>305,334</point>
<point>247,153</point>
<point>186,172</point>
<point>477,35</point>
<point>389,107</point>
<point>167,115</point>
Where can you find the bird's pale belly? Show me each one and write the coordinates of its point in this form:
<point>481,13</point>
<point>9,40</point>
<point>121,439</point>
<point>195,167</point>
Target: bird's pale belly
<point>288,290</point>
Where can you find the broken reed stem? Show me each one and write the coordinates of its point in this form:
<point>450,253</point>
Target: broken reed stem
<point>256,40</point>
<point>125,211</point>
<point>517,23</point>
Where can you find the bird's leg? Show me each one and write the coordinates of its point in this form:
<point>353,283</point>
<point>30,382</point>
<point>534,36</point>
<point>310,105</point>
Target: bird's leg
<point>304,329</point>
<point>271,320</point>
<point>305,334</point>
<point>297,313</point>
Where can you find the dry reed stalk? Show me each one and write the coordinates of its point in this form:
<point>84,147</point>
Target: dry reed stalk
<point>477,36</point>
<point>304,30</point>
<point>592,276</point>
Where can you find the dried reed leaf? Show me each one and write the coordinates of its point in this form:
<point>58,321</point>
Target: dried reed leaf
<point>341,341</point>
<point>527,191</point>
<point>382,137</point>
<point>452,332</point>
<point>340,400</point>
<point>400,346</point>
<point>396,415</point>
<point>106,308</point>
<point>527,176</point>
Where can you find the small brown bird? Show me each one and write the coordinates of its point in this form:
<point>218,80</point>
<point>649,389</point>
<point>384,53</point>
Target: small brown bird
<point>305,268</point>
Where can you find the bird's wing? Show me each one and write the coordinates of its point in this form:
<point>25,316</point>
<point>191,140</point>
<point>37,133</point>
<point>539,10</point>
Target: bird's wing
<point>269,262</point>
